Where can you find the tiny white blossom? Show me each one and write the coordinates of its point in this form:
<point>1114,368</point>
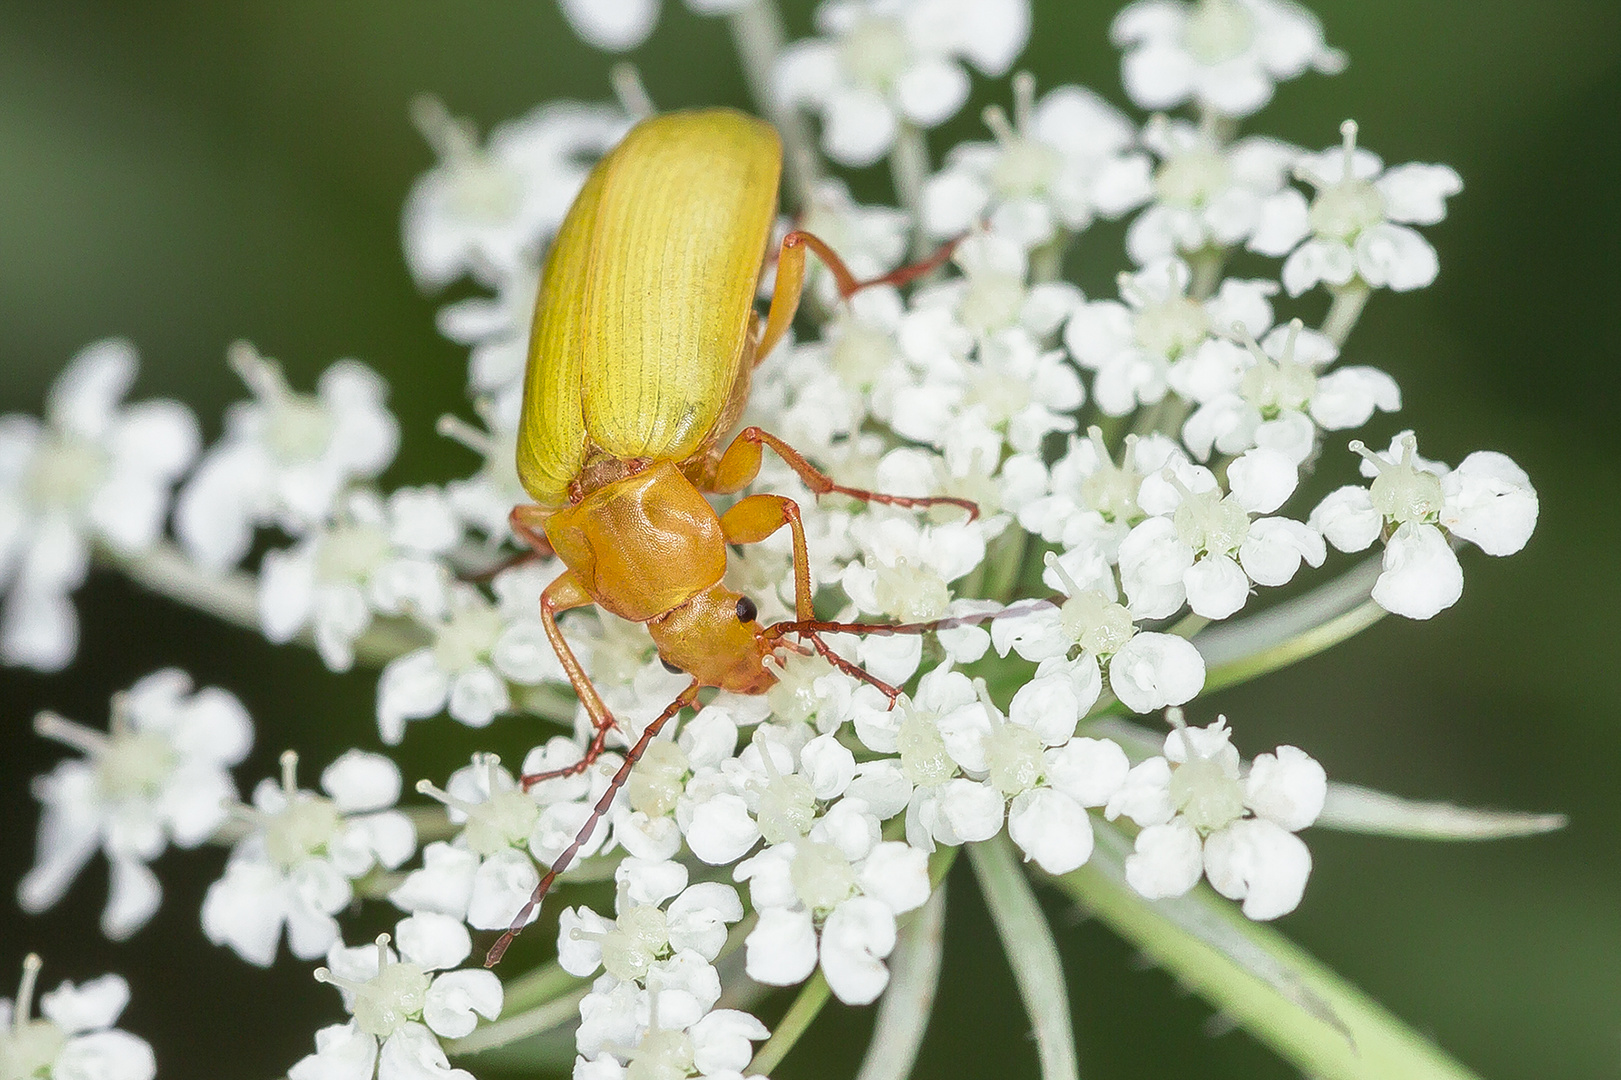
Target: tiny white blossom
<point>1206,547</point>
<point>1276,394</point>
<point>486,873</point>
<point>285,457</point>
<point>1356,227</point>
<point>1415,504</point>
<point>620,25</point>
<point>496,332</point>
<point>161,774</point>
<point>1132,345</point>
<point>297,865</point>
<point>489,209</point>
<point>1202,812</point>
<point>95,472</point>
<point>479,649</point>
<point>1061,162</point>
<point>1206,194</point>
<point>74,1038</point>
<point>375,557</point>
<point>1223,55</point>
<point>883,63</point>
<point>831,898</point>
<point>657,915</point>
<point>402,1005</point>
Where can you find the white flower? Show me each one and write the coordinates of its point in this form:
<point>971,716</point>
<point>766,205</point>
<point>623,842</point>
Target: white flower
<point>488,210</point>
<point>496,330</point>
<point>485,499</point>
<point>888,62</point>
<point>1357,224</point>
<point>1201,813</point>
<point>1224,55</point>
<point>401,1008</point>
<point>1030,762</point>
<point>657,915</point>
<point>1206,547</point>
<point>374,557</point>
<point>1206,194</point>
<point>1093,502</point>
<point>486,874</point>
<point>478,648</point>
<point>831,898</point>
<point>285,457</point>
<point>94,472</point>
<point>1416,504</point>
<point>297,865</point>
<point>1276,394</point>
<point>161,774</point>
<point>1060,163</point>
<point>662,1035</point>
<point>619,25</point>
<point>1131,346</point>
<point>74,1039</point>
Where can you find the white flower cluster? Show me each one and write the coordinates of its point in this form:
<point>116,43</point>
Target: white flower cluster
<point>1140,454</point>
<point>74,1037</point>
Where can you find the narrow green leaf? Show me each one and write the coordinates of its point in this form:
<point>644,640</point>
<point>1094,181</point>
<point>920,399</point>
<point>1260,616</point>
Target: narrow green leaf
<point>1351,808</point>
<point>1028,942</point>
<point>1261,980</point>
<point>914,977</point>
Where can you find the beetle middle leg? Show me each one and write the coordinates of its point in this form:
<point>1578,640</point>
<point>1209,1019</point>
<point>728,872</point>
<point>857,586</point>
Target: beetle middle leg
<point>740,464</point>
<point>527,523</point>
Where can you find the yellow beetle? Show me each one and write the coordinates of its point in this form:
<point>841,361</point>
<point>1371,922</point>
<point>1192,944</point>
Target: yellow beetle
<point>645,338</point>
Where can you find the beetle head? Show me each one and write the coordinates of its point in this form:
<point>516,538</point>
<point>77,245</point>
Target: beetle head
<point>716,638</point>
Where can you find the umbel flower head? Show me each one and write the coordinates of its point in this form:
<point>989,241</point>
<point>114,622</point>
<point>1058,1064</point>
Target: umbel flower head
<point>400,1007</point>
<point>160,774</point>
<point>95,473</point>
<point>74,1037</point>
<point>1135,457</point>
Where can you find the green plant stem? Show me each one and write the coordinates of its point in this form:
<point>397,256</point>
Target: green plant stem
<point>914,978</point>
<point>794,1023</point>
<point>543,1017</point>
<point>1349,300</point>
<point>909,168</point>
<point>757,32</point>
<point>1027,940</point>
<point>1271,987</point>
<point>233,597</point>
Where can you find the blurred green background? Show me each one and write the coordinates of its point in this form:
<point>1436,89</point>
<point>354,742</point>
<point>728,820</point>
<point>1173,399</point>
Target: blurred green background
<point>187,173</point>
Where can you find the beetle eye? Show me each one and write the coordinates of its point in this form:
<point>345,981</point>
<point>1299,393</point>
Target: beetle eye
<point>671,668</point>
<point>746,611</point>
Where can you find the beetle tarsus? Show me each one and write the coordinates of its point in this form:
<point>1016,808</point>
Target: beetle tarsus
<point>566,858</point>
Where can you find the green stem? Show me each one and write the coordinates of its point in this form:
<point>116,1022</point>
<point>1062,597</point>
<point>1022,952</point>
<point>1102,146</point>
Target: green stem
<point>793,1024</point>
<point>233,597</point>
<point>544,1017</point>
<point>1292,630</point>
<point>537,987</point>
<point>758,34</point>
<point>909,168</point>
<point>1028,941</point>
<point>914,979</point>
<point>1349,300</point>
<point>1275,990</point>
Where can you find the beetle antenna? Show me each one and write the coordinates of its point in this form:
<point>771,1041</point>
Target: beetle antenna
<point>564,860</point>
<point>632,94</point>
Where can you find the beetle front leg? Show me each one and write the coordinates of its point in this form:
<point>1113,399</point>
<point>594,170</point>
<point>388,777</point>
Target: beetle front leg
<point>740,464</point>
<point>566,592</point>
<point>757,517</point>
